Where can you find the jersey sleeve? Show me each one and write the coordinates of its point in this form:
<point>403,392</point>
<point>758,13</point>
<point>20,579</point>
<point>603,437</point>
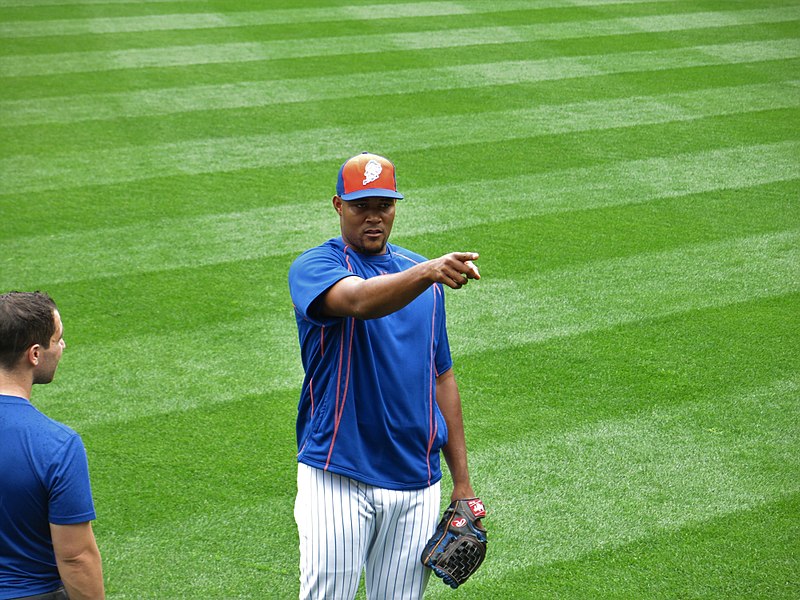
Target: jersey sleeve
<point>311,275</point>
<point>70,490</point>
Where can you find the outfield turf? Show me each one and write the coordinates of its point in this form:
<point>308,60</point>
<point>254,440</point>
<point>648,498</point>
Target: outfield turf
<point>629,362</point>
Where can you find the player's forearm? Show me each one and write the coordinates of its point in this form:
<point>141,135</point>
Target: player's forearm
<point>83,576</point>
<point>455,451</point>
<point>380,296</point>
<point>78,560</point>
<point>377,296</point>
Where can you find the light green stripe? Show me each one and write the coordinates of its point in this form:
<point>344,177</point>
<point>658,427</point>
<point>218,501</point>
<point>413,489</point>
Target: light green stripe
<point>542,306</point>
<point>31,173</point>
<point>600,486</point>
<point>176,56</point>
<point>67,109</point>
<point>284,16</point>
<point>524,310</point>
<point>629,479</point>
<point>42,3</point>
<point>267,232</point>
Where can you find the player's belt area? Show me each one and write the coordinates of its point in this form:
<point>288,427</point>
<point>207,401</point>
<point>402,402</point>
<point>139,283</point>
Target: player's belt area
<point>59,594</point>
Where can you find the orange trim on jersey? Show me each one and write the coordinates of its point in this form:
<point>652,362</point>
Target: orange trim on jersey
<point>336,408</point>
<point>433,425</point>
<point>342,395</point>
<point>408,258</point>
<point>311,393</point>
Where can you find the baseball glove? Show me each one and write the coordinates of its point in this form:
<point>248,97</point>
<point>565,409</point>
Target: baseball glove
<point>458,546</point>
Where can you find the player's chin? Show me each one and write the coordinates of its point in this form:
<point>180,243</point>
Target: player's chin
<point>373,244</point>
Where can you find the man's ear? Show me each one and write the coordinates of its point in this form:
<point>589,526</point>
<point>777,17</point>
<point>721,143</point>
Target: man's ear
<point>337,204</point>
<point>33,354</point>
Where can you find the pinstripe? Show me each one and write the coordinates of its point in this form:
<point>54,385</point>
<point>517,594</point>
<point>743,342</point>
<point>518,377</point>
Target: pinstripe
<point>347,527</point>
<point>398,567</point>
<point>353,564</point>
<point>323,547</point>
<point>411,501</point>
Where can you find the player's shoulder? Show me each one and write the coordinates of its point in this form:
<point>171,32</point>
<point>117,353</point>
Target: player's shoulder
<point>59,432</point>
<point>331,249</point>
<point>48,433</point>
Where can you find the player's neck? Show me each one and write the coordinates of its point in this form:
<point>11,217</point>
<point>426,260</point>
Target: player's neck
<point>15,384</point>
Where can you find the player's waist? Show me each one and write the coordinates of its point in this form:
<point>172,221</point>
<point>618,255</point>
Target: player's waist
<point>59,594</point>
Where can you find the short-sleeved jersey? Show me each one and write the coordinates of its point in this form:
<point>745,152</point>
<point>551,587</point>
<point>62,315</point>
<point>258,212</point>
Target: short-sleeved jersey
<point>44,478</point>
<point>368,406</point>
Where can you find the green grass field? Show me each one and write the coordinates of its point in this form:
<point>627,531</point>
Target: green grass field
<point>629,362</point>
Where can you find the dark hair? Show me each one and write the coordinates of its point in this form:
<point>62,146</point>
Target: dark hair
<point>26,318</point>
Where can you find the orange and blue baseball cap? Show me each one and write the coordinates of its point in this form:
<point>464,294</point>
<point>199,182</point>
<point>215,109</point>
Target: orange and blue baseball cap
<point>367,175</point>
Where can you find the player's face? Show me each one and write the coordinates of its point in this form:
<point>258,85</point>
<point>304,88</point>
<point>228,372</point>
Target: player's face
<point>49,357</point>
<point>366,223</point>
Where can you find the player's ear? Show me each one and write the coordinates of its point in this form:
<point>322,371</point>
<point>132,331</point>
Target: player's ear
<point>337,204</point>
<point>32,355</point>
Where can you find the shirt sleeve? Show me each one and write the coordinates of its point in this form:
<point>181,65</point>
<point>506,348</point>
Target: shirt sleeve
<point>70,490</point>
<point>311,275</point>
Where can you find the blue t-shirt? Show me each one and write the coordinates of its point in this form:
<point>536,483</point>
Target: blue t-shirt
<point>44,478</point>
<point>368,407</point>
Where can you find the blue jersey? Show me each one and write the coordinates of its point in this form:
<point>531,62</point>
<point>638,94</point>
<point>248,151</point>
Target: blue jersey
<point>44,478</point>
<point>368,407</point>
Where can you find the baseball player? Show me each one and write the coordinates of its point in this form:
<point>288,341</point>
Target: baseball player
<point>379,399</point>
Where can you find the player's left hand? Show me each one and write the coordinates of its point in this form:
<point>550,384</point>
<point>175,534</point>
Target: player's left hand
<point>458,546</point>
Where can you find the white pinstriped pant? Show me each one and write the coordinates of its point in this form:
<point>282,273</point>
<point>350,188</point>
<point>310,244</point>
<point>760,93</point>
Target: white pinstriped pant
<point>346,526</point>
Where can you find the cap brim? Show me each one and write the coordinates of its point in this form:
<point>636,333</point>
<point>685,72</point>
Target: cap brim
<point>372,193</point>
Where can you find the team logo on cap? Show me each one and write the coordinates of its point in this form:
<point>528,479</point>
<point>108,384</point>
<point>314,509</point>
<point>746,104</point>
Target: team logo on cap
<point>372,171</point>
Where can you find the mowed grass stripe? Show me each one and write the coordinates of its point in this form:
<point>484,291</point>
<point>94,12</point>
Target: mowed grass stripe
<point>237,52</point>
<point>498,312</point>
<point>280,16</point>
<point>153,302</point>
<point>440,38</point>
<point>250,94</point>
<point>531,308</point>
<point>703,558</point>
<point>178,243</point>
<point>622,480</point>
<point>678,467</point>
<point>662,366</point>
<point>32,173</point>
<point>79,3</point>
<point>47,138</point>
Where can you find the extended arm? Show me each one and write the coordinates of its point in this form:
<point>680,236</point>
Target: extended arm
<point>383,295</point>
<point>78,561</point>
<point>455,452</point>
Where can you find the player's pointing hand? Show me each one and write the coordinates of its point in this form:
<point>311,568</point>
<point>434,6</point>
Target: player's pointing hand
<point>455,269</point>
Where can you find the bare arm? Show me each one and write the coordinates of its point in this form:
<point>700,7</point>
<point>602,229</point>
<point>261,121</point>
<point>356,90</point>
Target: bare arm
<point>383,295</point>
<point>78,561</point>
<point>455,452</point>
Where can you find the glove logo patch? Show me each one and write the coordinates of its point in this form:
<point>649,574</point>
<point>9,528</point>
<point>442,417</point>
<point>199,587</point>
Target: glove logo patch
<point>477,507</point>
<point>459,522</point>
